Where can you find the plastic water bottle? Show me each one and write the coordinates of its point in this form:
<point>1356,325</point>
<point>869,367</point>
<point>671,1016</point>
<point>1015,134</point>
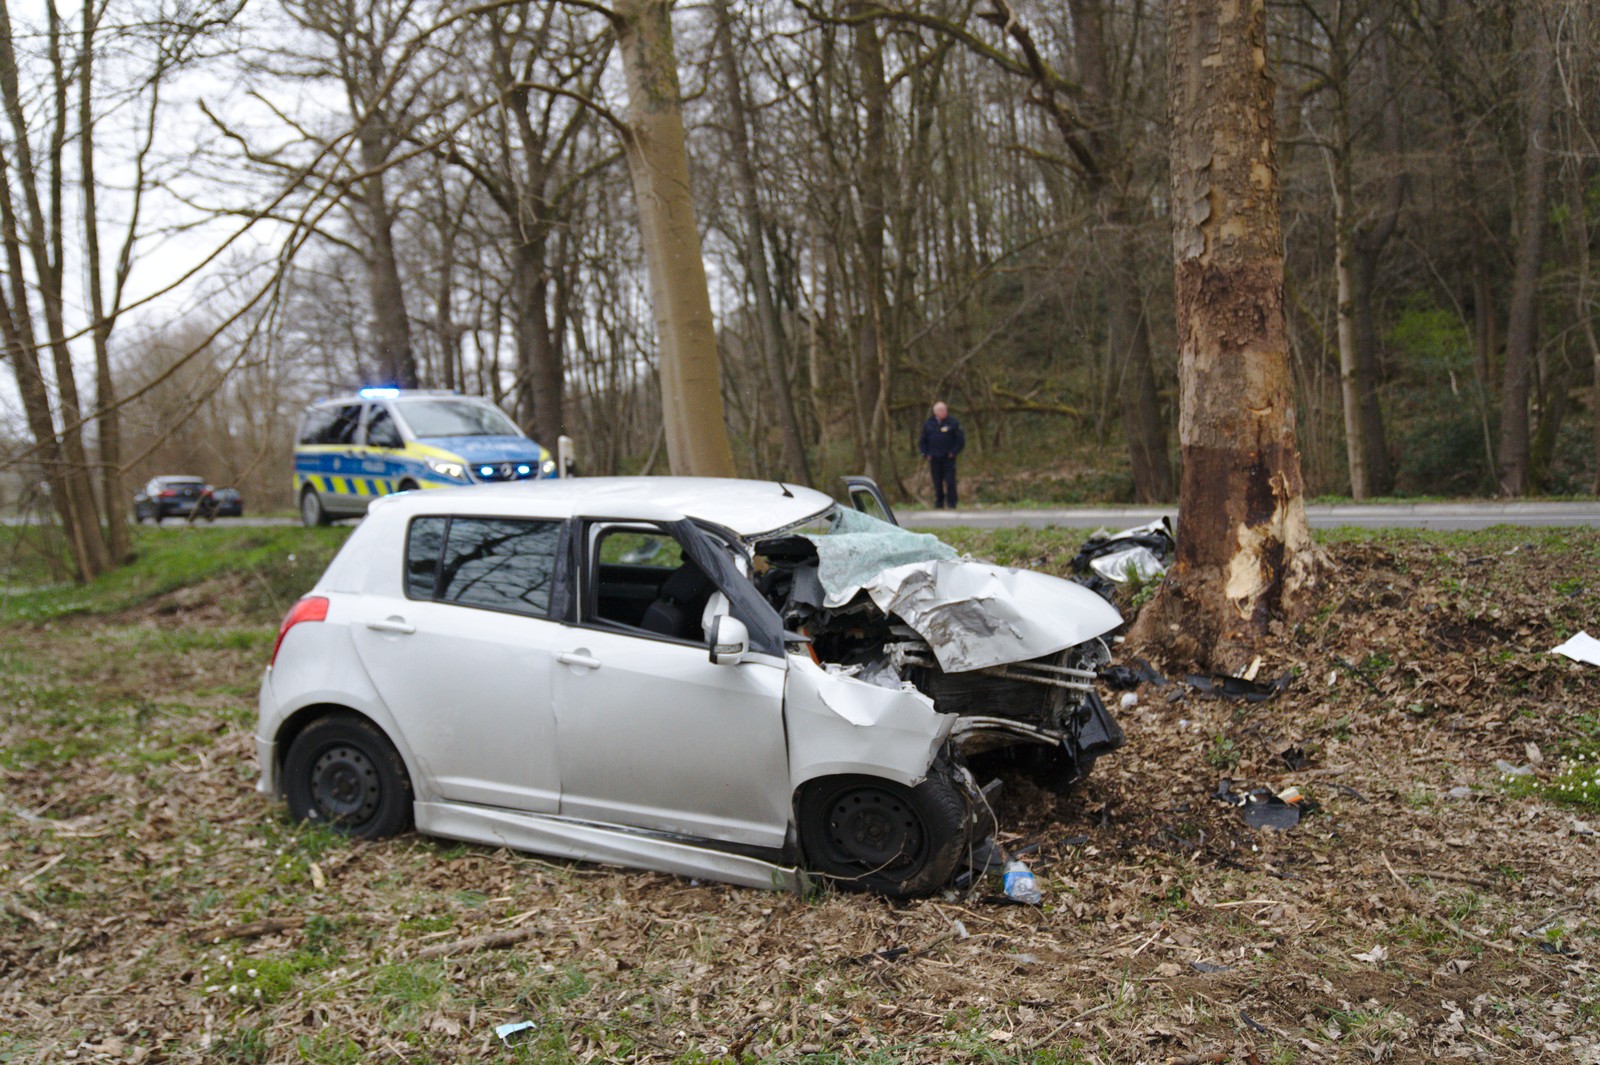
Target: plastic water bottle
<point>1020,884</point>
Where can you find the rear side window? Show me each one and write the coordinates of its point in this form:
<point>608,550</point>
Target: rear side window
<point>493,563</point>
<point>331,425</point>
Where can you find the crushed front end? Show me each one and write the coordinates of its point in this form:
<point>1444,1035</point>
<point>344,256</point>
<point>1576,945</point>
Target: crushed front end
<point>1013,655</point>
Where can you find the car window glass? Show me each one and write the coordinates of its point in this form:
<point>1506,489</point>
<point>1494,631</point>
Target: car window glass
<point>314,426</point>
<point>633,548</point>
<point>424,546</point>
<point>868,504</point>
<point>381,429</point>
<point>499,564</point>
<point>342,430</point>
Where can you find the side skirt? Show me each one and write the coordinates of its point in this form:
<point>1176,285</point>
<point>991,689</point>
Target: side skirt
<point>563,838</point>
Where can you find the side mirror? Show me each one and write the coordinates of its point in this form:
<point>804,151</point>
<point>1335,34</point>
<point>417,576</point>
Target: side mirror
<point>730,640</point>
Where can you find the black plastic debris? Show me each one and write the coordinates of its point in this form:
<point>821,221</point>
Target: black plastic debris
<point>986,857</point>
<point>1222,686</point>
<point>1106,559</point>
<point>1260,808</point>
<point>1207,967</point>
<point>1126,678</point>
<point>1253,1024</point>
<point>1156,538</point>
<point>1294,757</point>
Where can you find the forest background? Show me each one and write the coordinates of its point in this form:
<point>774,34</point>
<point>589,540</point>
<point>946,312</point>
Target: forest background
<point>225,212</point>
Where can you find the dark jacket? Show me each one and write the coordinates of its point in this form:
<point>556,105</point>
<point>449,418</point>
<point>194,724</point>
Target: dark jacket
<point>941,439</point>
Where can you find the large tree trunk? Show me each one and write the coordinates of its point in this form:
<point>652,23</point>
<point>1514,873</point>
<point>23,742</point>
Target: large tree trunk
<point>1522,322</point>
<point>691,378</point>
<point>755,253</point>
<point>1245,554</point>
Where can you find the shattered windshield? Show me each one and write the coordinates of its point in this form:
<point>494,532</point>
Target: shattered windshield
<point>852,548</point>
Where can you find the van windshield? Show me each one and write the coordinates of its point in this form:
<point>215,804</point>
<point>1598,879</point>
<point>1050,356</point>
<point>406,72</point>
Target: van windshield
<point>456,417</point>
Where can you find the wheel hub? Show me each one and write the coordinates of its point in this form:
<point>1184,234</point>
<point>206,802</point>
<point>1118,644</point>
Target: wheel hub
<point>874,829</point>
<point>344,785</point>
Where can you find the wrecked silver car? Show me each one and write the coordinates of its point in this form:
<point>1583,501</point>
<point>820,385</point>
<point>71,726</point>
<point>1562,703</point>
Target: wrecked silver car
<point>740,680</point>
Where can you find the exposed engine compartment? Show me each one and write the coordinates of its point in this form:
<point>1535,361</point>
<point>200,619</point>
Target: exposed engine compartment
<point>1048,701</point>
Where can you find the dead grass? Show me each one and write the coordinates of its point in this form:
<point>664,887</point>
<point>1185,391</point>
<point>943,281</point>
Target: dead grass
<point>132,850</point>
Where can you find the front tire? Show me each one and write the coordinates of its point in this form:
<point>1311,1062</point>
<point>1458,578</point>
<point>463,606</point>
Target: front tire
<point>342,771</point>
<point>312,512</point>
<point>868,834</point>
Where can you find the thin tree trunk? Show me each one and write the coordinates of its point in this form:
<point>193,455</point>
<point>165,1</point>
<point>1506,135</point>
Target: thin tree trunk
<point>1143,427</point>
<point>42,237</point>
<point>391,330</point>
<point>1245,554</point>
<point>1522,323</point>
<point>691,377</point>
<point>109,425</point>
<point>755,253</point>
<point>872,369</point>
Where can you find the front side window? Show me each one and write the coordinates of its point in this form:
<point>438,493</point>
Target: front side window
<point>456,417</point>
<point>381,429</point>
<point>493,563</point>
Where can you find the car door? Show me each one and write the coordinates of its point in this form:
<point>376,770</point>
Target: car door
<point>461,654</point>
<point>652,733</point>
<point>380,461</point>
<point>865,495</point>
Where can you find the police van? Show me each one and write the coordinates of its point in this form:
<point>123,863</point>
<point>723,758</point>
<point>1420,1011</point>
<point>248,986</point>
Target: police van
<point>351,450</point>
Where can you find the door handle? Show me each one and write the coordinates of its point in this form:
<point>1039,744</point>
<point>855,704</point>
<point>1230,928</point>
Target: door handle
<point>399,625</point>
<point>574,658</point>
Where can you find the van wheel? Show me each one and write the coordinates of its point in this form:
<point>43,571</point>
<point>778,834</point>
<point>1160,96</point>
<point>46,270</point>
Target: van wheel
<point>408,486</point>
<point>342,771</point>
<point>312,513</point>
<point>868,834</point>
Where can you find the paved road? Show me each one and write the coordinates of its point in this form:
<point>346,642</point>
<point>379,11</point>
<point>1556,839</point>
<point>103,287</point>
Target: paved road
<point>1322,516</point>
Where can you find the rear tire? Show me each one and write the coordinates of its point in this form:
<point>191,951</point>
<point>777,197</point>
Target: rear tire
<point>312,512</point>
<point>869,834</point>
<point>342,771</point>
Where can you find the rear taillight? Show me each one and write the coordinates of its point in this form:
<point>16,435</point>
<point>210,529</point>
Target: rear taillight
<point>311,608</point>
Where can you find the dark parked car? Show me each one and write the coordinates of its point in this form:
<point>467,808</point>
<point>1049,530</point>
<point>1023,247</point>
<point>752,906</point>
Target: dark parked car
<point>167,497</point>
<point>224,503</point>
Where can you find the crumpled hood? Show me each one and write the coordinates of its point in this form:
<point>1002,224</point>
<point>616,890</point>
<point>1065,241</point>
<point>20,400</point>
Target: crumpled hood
<point>476,449</point>
<point>978,614</point>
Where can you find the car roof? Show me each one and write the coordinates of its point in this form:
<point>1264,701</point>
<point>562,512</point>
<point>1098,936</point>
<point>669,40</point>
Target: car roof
<point>746,507</point>
<point>178,477</point>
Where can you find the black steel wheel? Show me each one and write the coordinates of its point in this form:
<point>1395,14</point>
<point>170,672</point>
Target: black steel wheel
<point>312,512</point>
<point>341,770</point>
<point>869,834</point>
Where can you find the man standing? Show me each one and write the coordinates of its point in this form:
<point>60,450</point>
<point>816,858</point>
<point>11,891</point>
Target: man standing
<point>940,443</point>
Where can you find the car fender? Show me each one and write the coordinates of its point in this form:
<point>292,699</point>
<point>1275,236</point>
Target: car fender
<point>318,666</point>
<point>838,724</point>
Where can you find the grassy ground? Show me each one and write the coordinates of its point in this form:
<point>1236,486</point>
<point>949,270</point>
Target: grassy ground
<point>156,909</point>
